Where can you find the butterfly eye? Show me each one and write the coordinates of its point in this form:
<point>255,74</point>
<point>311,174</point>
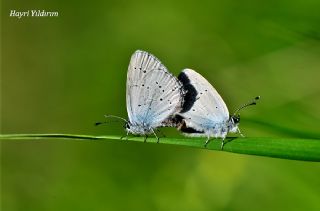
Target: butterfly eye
<point>127,125</point>
<point>236,119</point>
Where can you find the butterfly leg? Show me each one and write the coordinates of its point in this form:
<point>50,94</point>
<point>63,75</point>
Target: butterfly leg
<point>162,134</point>
<point>145,138</point>
<point>222,143</point>
<point>125,136</point>
<point>240,132</point>
<point>155,136</point>
<point>207,142</point>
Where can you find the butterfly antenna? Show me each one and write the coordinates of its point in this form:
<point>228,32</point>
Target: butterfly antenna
<point>117,117</point>
<point>100,123</point>
<point>110,116</point>
<point>252,102</point>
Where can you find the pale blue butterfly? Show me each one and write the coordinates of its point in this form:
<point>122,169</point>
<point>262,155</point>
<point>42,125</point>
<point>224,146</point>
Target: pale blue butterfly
<point>204,112</point>
<point>153,96</point>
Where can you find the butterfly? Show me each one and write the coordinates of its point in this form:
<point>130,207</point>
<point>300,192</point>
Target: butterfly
<point>153,95</point>
<point>204,112</point>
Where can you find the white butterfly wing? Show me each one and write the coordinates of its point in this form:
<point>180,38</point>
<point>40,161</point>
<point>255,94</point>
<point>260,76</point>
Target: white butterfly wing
<point>203,107</point>
<point>153,94</point>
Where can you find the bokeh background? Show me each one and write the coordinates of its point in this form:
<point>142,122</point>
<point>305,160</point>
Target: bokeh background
<point>62,74</point>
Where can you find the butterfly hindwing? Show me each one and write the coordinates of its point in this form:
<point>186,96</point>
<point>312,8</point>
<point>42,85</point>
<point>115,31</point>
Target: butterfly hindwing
<point>203,107</point>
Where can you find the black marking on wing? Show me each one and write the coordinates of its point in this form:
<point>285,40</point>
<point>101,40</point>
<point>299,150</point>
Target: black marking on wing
<point>191,93</point>
<point>190,130</point>
<point>181,124</point>
<point>173,121</point>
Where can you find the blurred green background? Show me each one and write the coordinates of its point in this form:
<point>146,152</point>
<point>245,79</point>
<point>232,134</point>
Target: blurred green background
<point>62,74</point>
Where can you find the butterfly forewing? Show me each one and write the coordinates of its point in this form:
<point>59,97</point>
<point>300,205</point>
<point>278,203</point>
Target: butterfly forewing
<point>153,94</point>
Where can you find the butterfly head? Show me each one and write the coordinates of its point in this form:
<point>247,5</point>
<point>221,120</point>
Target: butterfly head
<point>137,129</point>
<point>235,119</point>
<point>127,126</point>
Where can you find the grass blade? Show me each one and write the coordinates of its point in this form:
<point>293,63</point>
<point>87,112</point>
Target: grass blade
<point>286,148</point>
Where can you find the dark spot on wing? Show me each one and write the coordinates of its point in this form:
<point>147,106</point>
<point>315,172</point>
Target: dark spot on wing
<point>139,105</point>
<point>142,84</point>
<point>191,92</point>
<point>160,99</point>
<point>144,71</point>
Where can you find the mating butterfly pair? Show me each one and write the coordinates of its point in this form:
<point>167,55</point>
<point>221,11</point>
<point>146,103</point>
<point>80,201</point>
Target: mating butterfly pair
<point>156,98</point>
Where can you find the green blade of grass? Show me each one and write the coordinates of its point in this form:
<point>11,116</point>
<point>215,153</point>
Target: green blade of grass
<point>286,148</point>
